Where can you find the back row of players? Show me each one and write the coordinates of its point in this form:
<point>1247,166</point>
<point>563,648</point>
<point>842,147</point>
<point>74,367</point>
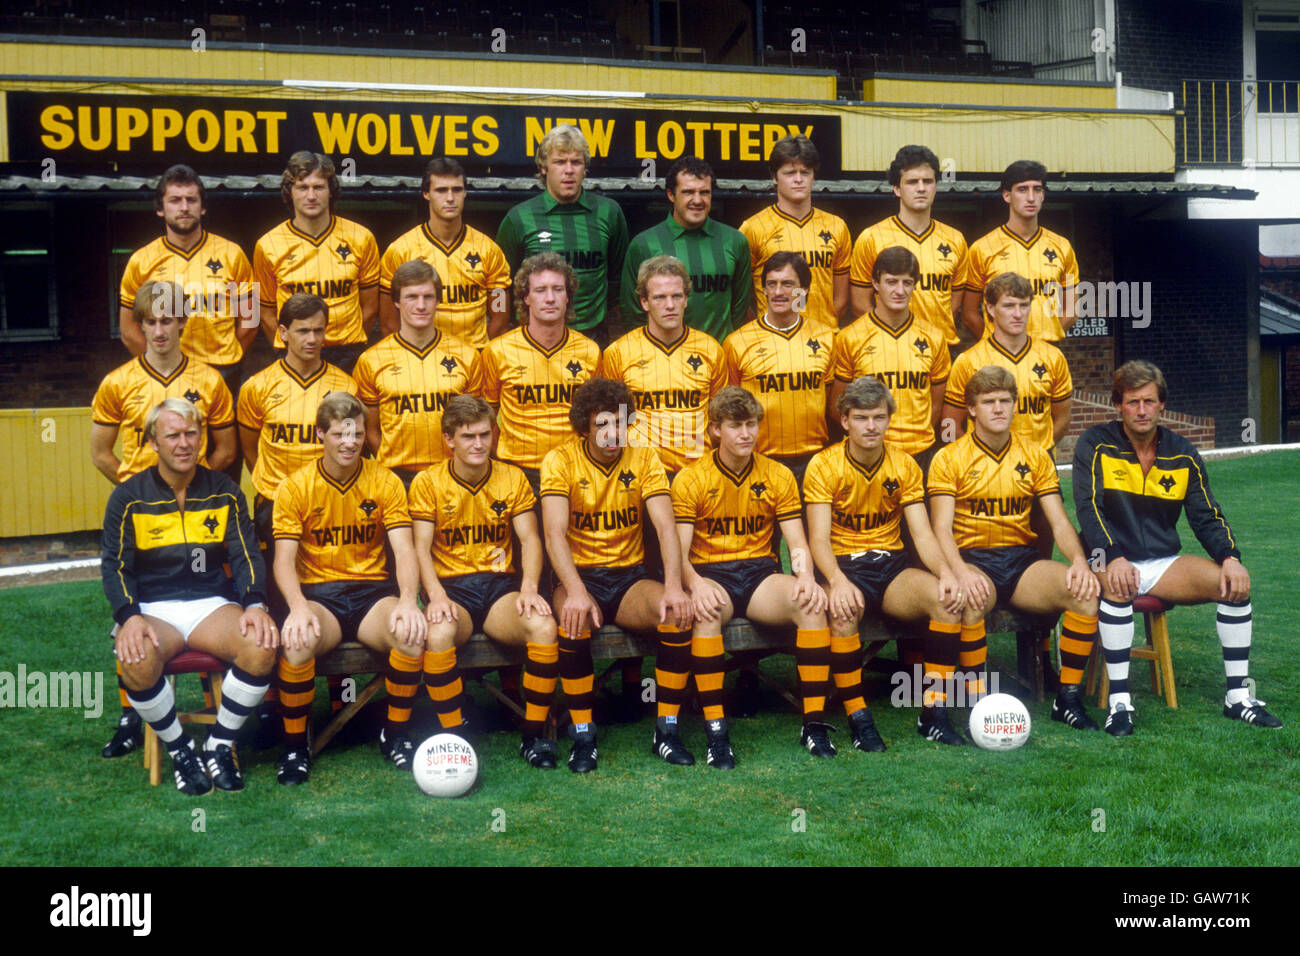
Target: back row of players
<point>668,373</point>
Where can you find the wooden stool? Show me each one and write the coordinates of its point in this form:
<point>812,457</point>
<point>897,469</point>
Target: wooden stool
<point>1156,652</point>
<point>186,662</point>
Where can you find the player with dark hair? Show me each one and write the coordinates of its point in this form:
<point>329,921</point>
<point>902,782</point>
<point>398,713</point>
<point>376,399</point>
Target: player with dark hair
<point>909,357</point>
<point>858,493</point>
<point>465,508</point>
<point>783,360</point>
<point>474,302</point>
<point>332,519</point>
<point>168,531</point>
<point>213,272</point>
<point>792,224</point>
<point>406,378</point>
<point>1043,382</point>
<point>726,506</point>
<point>715,255</point>
<point>1132,479</point>
<point>588,230</point>
<point>530,372</point>
<point>123,401</point>
<point>277,406</point>
<point>594,487</point>
<point>318,252</point>
<point>1024,247</point>
<point>981,490</point>
<point>939,248</point>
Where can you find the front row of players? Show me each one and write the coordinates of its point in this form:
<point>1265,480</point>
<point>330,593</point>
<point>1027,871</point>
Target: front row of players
<point>721,512</point>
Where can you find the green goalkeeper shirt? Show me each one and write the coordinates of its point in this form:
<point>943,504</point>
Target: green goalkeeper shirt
<point>590,233</point>
<point>716,257</point>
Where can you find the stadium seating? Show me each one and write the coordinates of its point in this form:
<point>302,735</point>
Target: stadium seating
<point>1156,652</point>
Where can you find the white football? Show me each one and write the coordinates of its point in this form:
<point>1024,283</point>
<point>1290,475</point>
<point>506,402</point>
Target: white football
<point>999,722</point>
<point>445,766</point>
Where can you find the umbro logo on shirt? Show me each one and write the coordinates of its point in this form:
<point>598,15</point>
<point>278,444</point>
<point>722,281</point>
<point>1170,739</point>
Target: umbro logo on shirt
<point>544,236</point>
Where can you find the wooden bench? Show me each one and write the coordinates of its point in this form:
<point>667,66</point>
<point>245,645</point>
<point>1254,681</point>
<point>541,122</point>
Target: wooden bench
<point>480,655</point>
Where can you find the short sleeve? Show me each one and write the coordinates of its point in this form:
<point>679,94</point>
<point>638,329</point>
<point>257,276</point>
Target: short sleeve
<point>721,377</point>
<point>221,410</point>
<point>1046,481</point>
<point>474,373</point>
<point>264,275</point>
<point>786,494</point>
<point>388,264</point>
<point>249,410</point>
<point>1062,381</point>
<point>841,363</point>
<point>496,271</point>
<point>1069,267</point>
<point>396,512</point>
<point>521,495</point>
<point>941,367</point>
<point>942,479</point>
<point>656,479</point>
<point>368,271</point>
<point>731,359</point>
<point>423,505</point>
<point>843,249</point>
<point>862,259</point>
<point>491,376</point>
<point>685,498</point>
<point>955,394</point>
<point>555,477</point>
<point>106,408</point>
<point>976,269</point>
<point>913,491</point>
<point>132,279</point>
<point>365,377</point>
<point>287,521</point>
<point>817,481</point>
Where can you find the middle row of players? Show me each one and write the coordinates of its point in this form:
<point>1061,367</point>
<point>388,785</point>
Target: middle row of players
<point>673,399</point>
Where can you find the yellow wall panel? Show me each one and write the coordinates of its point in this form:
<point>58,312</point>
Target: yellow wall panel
<point>53,59</point>
<point>50,485</point>
<point>1048,95</point>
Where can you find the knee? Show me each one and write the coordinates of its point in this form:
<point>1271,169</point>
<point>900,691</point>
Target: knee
<point>972,616</point>
<point>141,675</point>
<point>942,615</point>
<point>257,660</point>
<point>441,637</point>
<point>539,629</point>
<point>1084,608</point>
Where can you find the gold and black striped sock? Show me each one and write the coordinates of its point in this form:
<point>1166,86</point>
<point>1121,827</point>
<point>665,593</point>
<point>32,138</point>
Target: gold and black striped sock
<point>577,675</point>
<point>707,666</point>
<point>974,658</point>
<point>672,670</point>
<point>539,686</point>
<point>297,683</point>
<point>335,684</point>
<point>442,681</point>
<point>402,681</point>
<point>941,655</point>
<point>846,669</point>
<point>812,655</point>
<point>1077,636</point>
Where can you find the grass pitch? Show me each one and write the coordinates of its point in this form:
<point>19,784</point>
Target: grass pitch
<point>1190,788</point>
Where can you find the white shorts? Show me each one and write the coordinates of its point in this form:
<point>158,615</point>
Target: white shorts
<point>185,616</point>
<point>1151,571</point>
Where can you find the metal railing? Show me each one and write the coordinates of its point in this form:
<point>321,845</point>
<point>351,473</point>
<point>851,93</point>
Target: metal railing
<point>1240,123</point>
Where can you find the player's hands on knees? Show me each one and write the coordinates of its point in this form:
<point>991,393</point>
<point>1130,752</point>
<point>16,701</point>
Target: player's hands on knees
<point>808,595</point>
<point>708,598</point>
<point>845,600</point>
<point>529,603</point>
<point>1080,581</point>
<point>1122,579</point>
<point>577,609</point>
<point>1234,581</point>
<point>407,624</point>
<point>131,637</point>
<point>440,608</point>
<point>675,604</point>
<point>262,625</point>
<point>972,588</point>
<point>301,629</point>
<point>951,596</point>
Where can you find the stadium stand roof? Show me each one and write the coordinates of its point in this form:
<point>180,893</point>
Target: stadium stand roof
<point>270,183</point>
<point>1279,318</point>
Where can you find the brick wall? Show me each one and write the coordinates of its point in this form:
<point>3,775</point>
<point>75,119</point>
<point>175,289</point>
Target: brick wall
<point>1204,292</point>
<point>1092,362</point>
<point>1161,43</point>
<point>1094,408</point>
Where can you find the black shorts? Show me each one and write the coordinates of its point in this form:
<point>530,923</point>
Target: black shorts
<point>477,593</point>
<point>1004,566</point>
<point>608,585</point>
<point>349,601</point>
<point>740,579</point>
<point>407,475</point>
<point>871,573</point>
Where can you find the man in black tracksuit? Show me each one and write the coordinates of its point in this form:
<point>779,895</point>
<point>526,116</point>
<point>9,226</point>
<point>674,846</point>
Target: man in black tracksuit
<point>168,531</point>
<point>1132,478</point>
